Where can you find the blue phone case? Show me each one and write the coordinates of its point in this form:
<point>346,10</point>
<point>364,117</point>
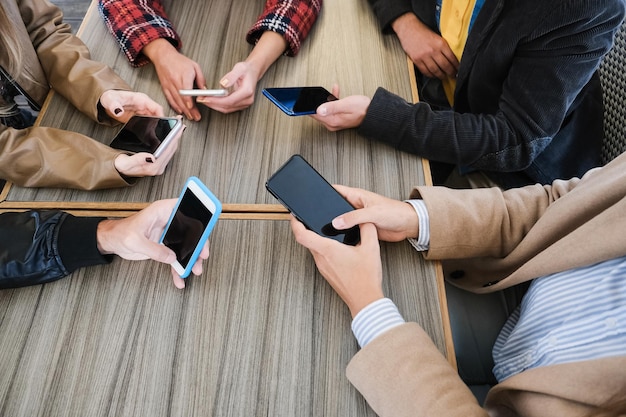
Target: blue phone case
<point>207,229</point>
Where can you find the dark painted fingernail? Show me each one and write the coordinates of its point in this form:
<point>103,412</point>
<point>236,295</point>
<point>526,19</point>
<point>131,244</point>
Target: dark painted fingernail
<point>117,111</point>
<point>148,159</point>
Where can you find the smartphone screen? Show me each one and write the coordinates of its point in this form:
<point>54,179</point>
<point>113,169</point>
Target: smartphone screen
<point>189,227</point>
<point>296,101</point>
<point>146,134</point>
<point>309,197</point>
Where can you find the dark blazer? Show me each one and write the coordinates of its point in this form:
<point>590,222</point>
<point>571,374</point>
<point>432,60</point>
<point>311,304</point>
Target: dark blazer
<point>528,102</point>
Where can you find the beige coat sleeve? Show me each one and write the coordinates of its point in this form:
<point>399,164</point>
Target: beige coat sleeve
<point>401,373</point>
<point>49,157</point>
<point>65,59</point>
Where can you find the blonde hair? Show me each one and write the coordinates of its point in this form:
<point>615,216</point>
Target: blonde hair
<point>9,41</point>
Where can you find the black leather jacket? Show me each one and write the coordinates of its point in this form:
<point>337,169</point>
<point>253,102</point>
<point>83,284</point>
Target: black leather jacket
<point>42,246</point>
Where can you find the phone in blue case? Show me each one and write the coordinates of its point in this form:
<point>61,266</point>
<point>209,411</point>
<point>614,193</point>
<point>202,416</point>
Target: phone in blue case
<point>298,101</point>
<point>190,224</point>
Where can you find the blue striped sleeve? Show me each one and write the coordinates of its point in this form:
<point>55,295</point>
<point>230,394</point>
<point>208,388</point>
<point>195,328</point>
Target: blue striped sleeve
<point>422,243</point>
<point>375,319</point>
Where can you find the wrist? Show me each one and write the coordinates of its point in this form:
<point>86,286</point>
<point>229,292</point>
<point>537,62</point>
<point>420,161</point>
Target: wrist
<point>362,300</point>
<point>103,237</point>
<point>268,49</point>
<point>403,22</point>
<point>158,48</point>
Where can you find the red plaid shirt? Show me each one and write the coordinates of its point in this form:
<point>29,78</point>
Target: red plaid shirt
<point>136,23</point>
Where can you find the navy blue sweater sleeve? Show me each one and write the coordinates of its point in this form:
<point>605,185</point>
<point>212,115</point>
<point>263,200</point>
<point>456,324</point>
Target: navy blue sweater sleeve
<point>42,246</point>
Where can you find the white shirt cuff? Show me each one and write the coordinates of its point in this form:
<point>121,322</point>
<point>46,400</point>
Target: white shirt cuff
<point>422,243</point>
<point>375,319</point>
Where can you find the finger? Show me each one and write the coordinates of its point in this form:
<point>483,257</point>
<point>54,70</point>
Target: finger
<point>446,65</point>
<point>369,235</point>
<point>352,218</point>
<point>310,240</point>
<point>335,90</point>
<point>200,80</point>
<point>355,196</point>
<point>175,101</point>
<point>231,77</point>
<point>178,281</point>
<point>158,252</point>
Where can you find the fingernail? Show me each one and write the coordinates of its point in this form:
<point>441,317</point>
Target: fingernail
<point>323,111</point>
<point>338,223</point>
<point>224,82</point>
<point>148,159</point>
<point>117,111</point>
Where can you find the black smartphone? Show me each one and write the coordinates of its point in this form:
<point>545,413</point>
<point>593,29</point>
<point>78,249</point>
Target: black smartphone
<point>298,101</point>
<point>311,199</point>
<point>147,134</point>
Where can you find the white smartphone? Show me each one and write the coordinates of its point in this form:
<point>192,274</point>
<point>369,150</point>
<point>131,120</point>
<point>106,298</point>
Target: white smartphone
<point>204,93</point>
<point>190,224</point>
<point>147,134</point>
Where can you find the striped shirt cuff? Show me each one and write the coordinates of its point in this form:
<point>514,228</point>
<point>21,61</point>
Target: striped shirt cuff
<point>375,319</point>
<point>422,243</point>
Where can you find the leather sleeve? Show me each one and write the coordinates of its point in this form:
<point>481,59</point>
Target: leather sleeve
<point>42,246</point>
<point>65,59</point>
<point>49,157</point>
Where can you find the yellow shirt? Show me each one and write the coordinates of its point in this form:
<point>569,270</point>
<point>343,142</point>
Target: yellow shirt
<point>454,24</point>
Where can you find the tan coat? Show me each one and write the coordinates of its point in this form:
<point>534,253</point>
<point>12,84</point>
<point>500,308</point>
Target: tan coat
<point>509,237</point>
<point>53,57</point>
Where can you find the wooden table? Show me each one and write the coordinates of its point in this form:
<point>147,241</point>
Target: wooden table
<point>260,332</point>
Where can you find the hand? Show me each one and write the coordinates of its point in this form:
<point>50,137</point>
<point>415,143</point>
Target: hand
<point>428,51</point>
<point>394,220</point>
<point>144,164</point>
<point>136,237</point>
<point>244,76</point>
<point>176,72</point>
<point>354,272</point>
<point>344,113</point>
<point>242,81</point>
<point>122,105</point>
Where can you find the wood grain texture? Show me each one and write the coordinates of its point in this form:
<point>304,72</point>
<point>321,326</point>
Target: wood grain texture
<point>234,154</point>
<point>259,333</point>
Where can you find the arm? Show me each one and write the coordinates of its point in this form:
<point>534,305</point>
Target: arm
<point>66,60</point>
<point>520,120</point>
<point>49,157</point>
<point>401,372</point>
<point>42,246</point>
<point>145,34</point>
<point>279,30</point>
<point>388,11</point>
<point>292,19</point>
<point>135,24</point>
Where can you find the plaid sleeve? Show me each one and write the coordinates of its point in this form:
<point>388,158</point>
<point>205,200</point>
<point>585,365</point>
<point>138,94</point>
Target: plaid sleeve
<point>136,23</point>
<point>293,19</point>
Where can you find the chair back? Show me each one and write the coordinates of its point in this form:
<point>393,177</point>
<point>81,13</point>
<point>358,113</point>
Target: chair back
<point>613,79</point>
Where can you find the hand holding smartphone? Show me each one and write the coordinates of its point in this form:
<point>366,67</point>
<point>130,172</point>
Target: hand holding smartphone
<point>147,134</point>
<point>190,224</point>
<point>311,199</point>
<point>298,101</point>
